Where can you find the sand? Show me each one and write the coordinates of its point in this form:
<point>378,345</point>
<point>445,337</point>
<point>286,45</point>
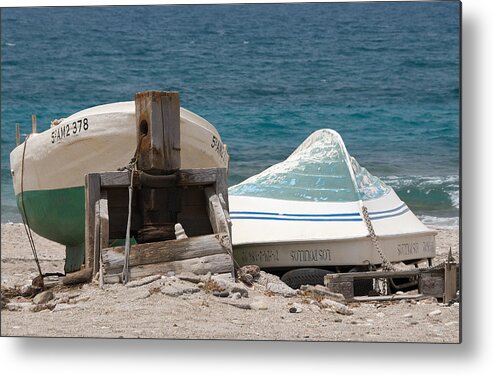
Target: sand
<point>145,312</point>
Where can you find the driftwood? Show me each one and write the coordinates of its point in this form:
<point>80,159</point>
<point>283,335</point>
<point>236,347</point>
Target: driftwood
<point>199,255</point>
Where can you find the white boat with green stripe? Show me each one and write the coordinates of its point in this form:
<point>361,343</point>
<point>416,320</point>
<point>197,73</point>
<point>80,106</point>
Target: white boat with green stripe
<point>49,168</point>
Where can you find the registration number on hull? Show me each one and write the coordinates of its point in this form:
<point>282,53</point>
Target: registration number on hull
<point>61,132</point>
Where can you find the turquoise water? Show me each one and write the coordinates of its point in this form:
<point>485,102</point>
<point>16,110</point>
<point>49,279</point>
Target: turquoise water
<point>384,75</point>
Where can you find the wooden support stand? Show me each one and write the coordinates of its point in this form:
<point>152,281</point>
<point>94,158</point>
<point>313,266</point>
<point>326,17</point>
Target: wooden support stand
<point>440,283</point>
<point>163,195</point>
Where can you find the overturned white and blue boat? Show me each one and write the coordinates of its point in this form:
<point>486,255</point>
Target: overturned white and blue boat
<point>308,211</point>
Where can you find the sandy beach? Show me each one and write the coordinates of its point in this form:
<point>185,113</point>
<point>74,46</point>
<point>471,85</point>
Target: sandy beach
<point>148,311</point>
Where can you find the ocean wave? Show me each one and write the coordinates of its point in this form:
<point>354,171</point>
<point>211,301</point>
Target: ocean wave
<point>427,193</point>
<point>440,222</point>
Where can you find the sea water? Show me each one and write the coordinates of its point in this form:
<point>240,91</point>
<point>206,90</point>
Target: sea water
<point>386,76</point>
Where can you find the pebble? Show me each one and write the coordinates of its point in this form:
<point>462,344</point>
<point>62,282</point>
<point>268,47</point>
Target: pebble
<point>448,324</point>
<point>381,315</point>
<point>408,315</point>
<point>435,313</point>
<point>235,296</point>
<point>296,308</point>
<point>143,281</point>
<point>82,299</point>
<point>40,307</point>
<point>222,293</point>
<point>27,290</point>
<point>171,291</point>
<point>259,303</point>
<point>18,306</point>
<point>178,288</point>
<point>337,320</point>
<point>43,297</point>
<point>63,307</point>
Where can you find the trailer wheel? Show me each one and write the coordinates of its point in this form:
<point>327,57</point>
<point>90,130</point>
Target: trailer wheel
<point>304,276</point>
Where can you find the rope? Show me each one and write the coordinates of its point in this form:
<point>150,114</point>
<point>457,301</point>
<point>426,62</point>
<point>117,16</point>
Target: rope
<point>132,166</point>
<point>125,275</point>
<point>25,219</point>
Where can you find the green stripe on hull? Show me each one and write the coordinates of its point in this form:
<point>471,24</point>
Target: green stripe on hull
<point>58,215</point>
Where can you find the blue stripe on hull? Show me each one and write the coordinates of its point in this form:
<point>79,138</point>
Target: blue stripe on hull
<point>344,217</point>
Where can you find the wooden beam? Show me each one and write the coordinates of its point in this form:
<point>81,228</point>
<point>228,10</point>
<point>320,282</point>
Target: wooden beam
<point>216,263</point>
<point>393,297</point>
<point>375,274</point>
<point>162,252</point>
<point>17,134</point>
<point>33,118</point>
<point>92,195</point>
<point>450,283</point>
<point>101,232</point>
<point>158,131</point>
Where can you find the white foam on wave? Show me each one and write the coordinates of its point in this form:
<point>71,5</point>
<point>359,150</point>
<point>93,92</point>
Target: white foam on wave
<point>440,222</point>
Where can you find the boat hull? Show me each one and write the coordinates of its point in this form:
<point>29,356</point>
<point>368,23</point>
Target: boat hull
<point>332,253</point>
<point>49,168</point>
<point>277,234</point>
<point>317,209</point>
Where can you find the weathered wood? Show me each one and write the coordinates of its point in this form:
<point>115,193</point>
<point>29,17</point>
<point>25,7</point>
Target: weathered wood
<point>222,185</point>
<point>374,274</point>
<point>97,232</point>
<point>394,297</point>
<point>115,179</point>
<point>198,176</point>
<point>343,285</point>
<point>323,291</point>
<point>101,236</point>
<point>79,277</point>
<point>17,134</point>
<point>158,130</point>
<point>215,212</point>
<point>432,284</point>
<point>161,252</point>
<point>217,263</point>
<point>185,177</point>
<point>34,129</point>
<point>92,194</point>
<point>450,284</point>
<point>336,306</point>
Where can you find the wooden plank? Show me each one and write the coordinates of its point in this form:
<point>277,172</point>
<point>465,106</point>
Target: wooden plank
<point>344,286</point>
<point>450,283</point>
<point>34,129</point>
<point>17,134</point>
<point>104,233</point>
<point>222,185</point>
<point>216,263</point>
<point>431,284</point>
<point>215,212</point>
<point>102,230</point>
<point>163,251</point>
<point>219,222</point>
<point>96,252</point>
<point>92,194</point>
<point>197,176</point>
<point>376,274</point>
<point>394,297</point>
<point>115,179</point>
<point>185,177</point>
<point>157,116</point>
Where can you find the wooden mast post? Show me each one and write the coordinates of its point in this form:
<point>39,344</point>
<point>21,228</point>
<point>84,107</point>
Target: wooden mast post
<point>33,118</point>
<point>158,134</point>
<point>17,134</point>
<point>163,195</point>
